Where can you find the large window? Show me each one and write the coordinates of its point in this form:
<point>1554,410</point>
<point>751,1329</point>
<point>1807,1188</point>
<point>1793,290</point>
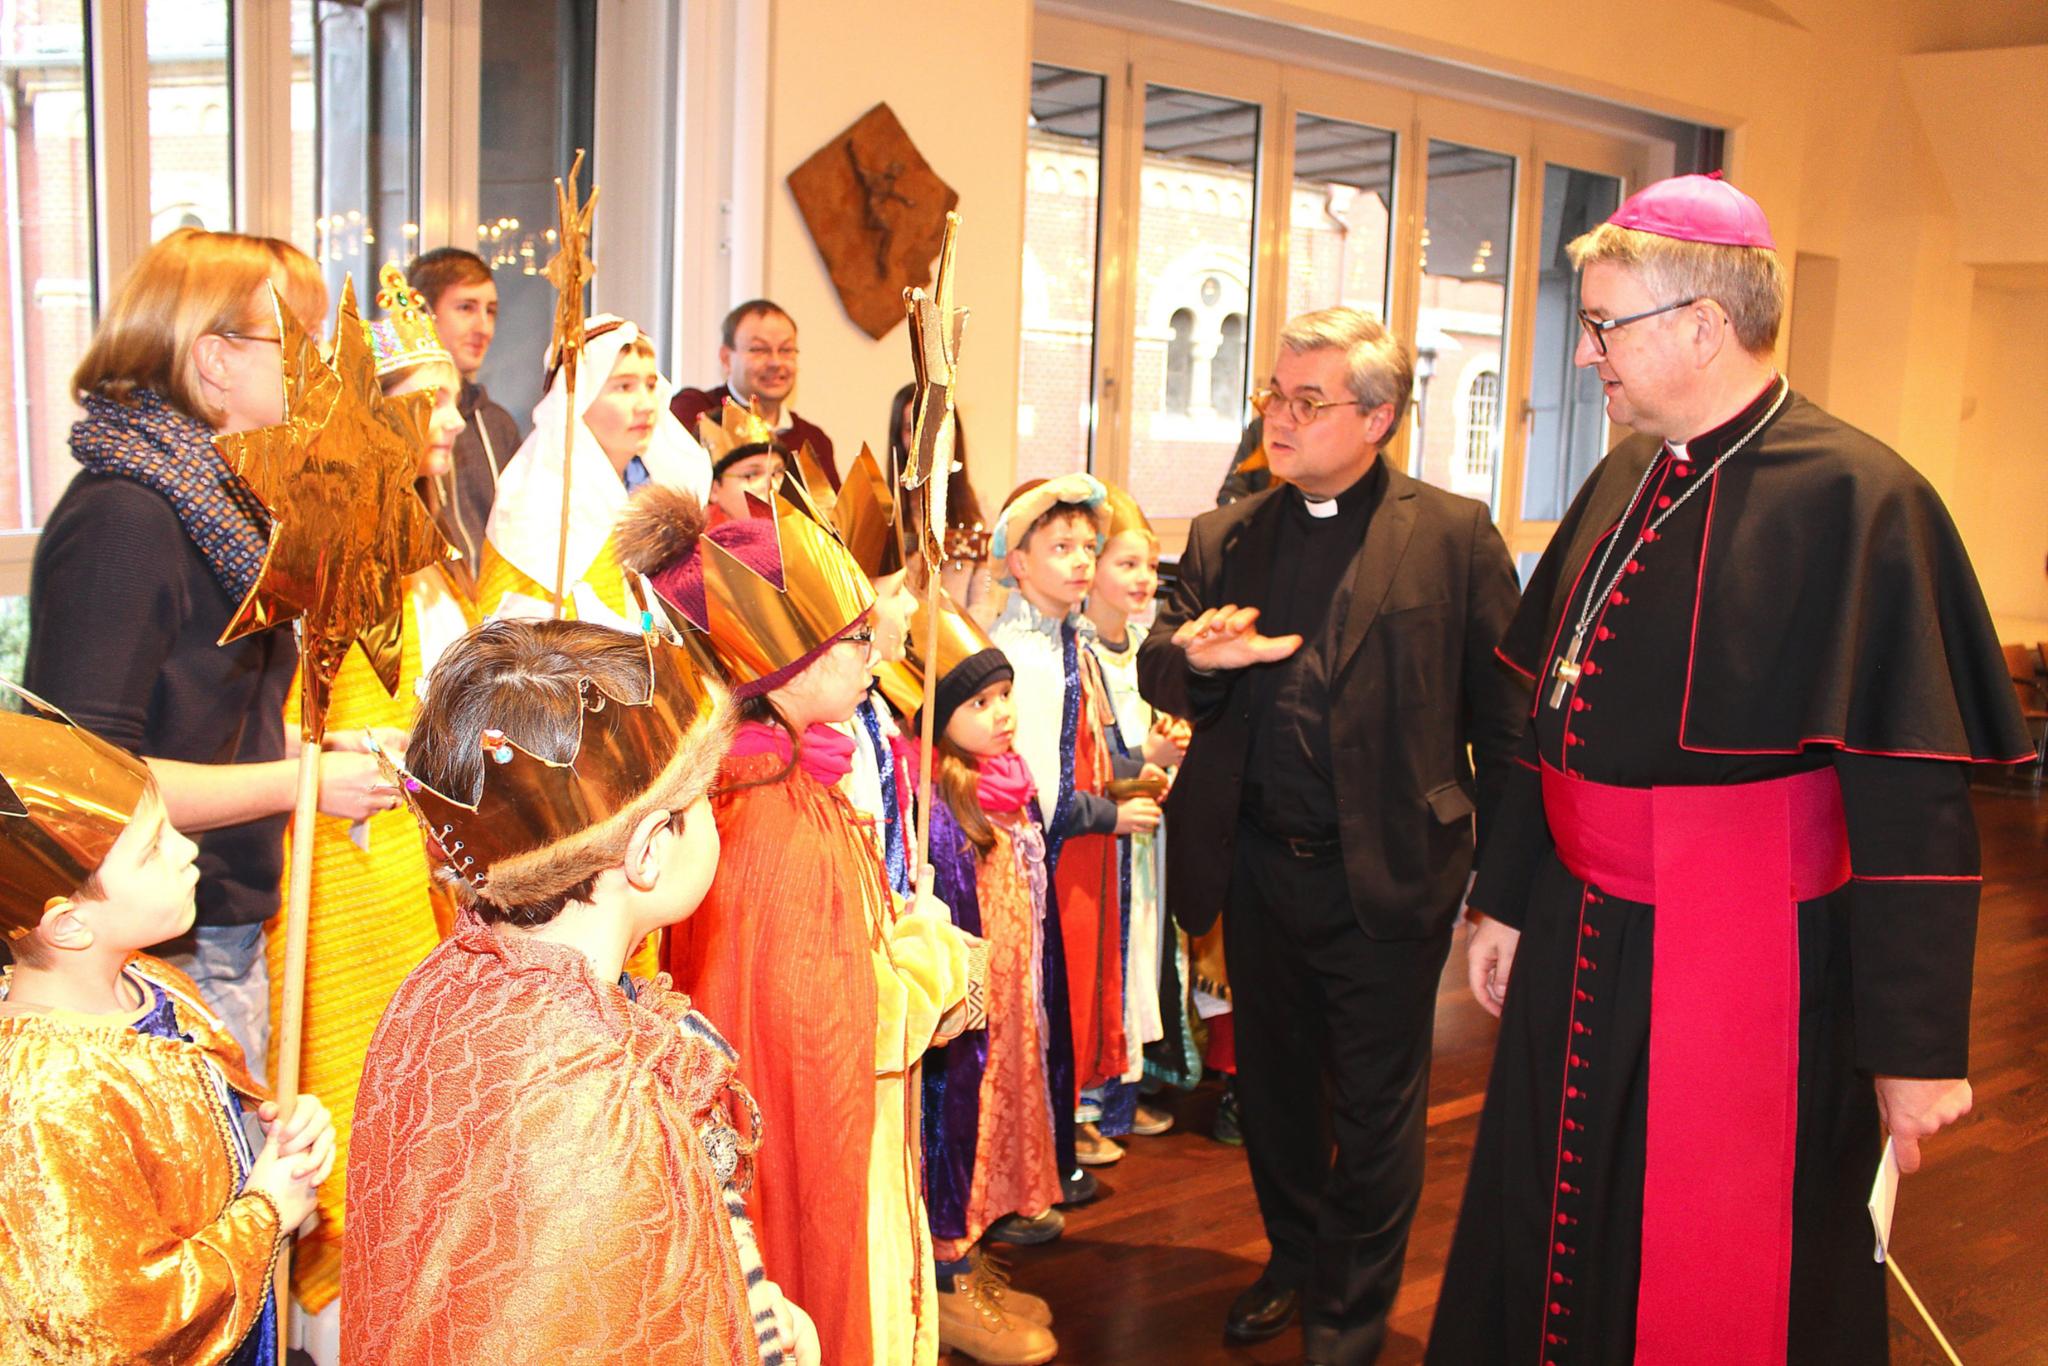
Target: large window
<point>1567,417</point>
<point>1195,242</point>
<point>191,116</point>
<point>46,248</point>
<point>1062,234</point>
<point>1340,216</point>
<point>363,133</point>
<point>536,90</point>
<point>1461,318</point>
<point>1234,191</point>
<point>365,68</point>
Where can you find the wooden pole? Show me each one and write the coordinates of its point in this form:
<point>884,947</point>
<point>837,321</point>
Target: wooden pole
<point>291,1029</point>
<point>929,716</point>
<point>568,474</point>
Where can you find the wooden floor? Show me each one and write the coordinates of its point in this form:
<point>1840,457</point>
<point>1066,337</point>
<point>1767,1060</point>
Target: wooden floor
<point>1146,1274</point>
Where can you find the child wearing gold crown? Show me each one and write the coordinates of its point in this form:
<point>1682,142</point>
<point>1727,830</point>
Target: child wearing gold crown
<point>370,917</point>
<point>832,985</point>
<point>988,1138</point>
<point>551,1157</point>
<point>747,459</point>
<point>136,1223</point>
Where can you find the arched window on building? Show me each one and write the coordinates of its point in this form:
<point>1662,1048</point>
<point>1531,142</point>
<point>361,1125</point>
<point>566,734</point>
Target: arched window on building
<point>1226,371</point>
<point>1482,412</point>
<point>1180,361</point>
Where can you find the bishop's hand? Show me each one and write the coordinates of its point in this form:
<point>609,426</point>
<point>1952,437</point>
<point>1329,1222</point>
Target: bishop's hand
<point>1913,1108</point>
<point>1225,638</point>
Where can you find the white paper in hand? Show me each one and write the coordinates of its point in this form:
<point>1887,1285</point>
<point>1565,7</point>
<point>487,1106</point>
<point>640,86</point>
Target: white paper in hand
<point>1884,1197</point>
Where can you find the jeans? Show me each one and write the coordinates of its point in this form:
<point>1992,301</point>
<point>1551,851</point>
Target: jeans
<point>228,964</point>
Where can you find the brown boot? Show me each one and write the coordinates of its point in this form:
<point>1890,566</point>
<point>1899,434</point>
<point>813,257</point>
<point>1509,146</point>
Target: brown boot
<point>971,1325</point>
<point>992,1275</point>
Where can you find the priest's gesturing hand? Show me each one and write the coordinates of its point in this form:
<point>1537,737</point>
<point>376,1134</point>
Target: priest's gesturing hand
<point>1914,1108</point>
<point>1224,638</point>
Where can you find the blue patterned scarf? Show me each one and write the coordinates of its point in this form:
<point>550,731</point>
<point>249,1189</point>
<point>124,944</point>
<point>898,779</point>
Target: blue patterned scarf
<point>162,449</point>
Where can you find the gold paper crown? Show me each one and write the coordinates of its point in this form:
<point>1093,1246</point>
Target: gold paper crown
<point>528,832</point>
<point>1124,515</point>
<point>735,433</point>
<point>960,639</point>
<point>405,335</point>
<point>65,797</point>
<point>764,632</point>
<point>868,517</point>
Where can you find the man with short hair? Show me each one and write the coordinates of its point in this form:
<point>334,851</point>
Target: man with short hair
<point>1332,638</point>
<point>463,298</point>
<point>1734,875</point>
<point>758,350</point>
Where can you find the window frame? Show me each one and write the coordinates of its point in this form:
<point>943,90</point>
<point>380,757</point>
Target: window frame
<point>643,48</point>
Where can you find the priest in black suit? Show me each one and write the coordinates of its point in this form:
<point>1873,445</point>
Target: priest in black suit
<point>1332,639</point>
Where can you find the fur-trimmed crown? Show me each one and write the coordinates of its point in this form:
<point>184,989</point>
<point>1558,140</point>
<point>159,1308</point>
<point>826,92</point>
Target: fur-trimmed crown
<point>65,797</point>
<point>770,591</point>
<point>537,827</point>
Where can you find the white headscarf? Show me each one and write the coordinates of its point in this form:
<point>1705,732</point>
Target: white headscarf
<point>526,518</point>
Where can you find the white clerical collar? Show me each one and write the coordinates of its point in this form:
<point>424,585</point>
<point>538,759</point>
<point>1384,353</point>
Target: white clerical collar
<point>1677,450</point>
<point>1319,507</point>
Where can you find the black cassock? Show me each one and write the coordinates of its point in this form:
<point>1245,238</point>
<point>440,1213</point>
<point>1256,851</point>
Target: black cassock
<point>1809,607</point>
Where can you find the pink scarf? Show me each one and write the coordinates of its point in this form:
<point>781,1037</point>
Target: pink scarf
<point>1003,782</point>
<point>827,754</point>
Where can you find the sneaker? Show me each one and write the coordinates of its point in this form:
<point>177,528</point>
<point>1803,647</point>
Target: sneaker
<point>1225,1129</point>
<point>1151,1120</point>
<point>1079,1187</point>
<point>973,1325</point>
<point>1091,1149</point>
<point>993,1276</point>
<point>1020,1231</point>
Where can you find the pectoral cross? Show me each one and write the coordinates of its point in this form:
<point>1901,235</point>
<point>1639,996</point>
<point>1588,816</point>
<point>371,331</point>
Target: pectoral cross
<point>1568,668</point>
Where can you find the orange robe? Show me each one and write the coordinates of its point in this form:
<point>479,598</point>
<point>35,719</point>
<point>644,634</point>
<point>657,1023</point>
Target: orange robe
<point>1087,887</point>
<point>831,997</point>
<point>122,1237</point>
<point>528,1182</point>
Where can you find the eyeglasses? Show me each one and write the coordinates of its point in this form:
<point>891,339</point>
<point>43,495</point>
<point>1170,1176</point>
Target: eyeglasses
<point>1598,328</point>
<point>1301,411</point>
<point>250,336</point>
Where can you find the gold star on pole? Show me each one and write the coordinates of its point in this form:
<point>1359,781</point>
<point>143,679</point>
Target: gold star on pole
<point>569,272</point>
<point>571,269</point>
<point>347,525</point>
<point>935,328</point>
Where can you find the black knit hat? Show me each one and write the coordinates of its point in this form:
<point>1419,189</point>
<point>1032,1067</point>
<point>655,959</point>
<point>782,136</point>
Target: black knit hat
<point>968,677</point>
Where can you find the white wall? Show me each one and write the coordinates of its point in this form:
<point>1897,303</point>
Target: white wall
<point>957,74</point>
<point>2000,497</point>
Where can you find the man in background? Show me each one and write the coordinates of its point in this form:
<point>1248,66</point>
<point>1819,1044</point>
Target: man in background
<point>757,347</point>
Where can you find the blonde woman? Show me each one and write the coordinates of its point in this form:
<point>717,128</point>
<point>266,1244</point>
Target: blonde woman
<point>145,559</point>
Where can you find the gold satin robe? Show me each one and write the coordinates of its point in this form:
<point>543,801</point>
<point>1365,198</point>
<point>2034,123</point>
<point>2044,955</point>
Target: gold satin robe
<point>122,1236</point>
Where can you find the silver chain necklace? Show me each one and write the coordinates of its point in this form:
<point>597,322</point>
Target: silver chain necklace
<point>1568,667</point>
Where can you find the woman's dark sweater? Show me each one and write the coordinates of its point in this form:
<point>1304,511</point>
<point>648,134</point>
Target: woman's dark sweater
<point>124,616</point>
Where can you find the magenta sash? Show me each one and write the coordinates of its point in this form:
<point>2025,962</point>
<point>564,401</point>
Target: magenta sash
<point>1725,867</point>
